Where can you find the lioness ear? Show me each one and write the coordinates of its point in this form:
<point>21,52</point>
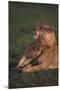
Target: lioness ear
<point>50,29</point>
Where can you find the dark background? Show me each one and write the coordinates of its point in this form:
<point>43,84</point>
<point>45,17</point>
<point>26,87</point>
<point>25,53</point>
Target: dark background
<point>22,18</point>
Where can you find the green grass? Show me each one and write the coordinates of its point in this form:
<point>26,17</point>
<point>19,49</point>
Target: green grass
<point>22,18</point>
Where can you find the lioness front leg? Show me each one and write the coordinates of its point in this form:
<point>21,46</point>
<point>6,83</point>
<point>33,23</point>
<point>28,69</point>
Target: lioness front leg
<point>25,60</point>
<point>39,67</point>
<point>21,61</point>
<point>30,68</point>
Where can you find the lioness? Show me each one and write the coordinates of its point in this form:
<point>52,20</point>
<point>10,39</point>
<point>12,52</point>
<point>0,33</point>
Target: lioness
<point>42,52</point>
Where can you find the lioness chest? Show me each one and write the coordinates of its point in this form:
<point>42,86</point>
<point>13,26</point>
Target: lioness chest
<point>48,59</point>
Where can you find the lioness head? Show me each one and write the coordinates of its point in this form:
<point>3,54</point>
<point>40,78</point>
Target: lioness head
<point>45,34</point>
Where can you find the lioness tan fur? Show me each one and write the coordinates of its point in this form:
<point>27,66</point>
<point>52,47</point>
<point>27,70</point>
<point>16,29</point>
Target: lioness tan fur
<point>44,51</point>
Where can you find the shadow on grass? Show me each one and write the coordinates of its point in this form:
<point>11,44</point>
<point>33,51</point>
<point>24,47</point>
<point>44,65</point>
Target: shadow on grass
<point>37,79</point>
